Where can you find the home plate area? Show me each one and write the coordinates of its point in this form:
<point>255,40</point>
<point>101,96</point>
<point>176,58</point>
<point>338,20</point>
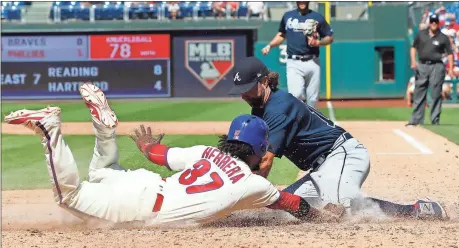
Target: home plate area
<point>406,164</point>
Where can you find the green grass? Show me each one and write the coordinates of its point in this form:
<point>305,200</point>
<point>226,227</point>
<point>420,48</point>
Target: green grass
<point>448,116</point>
<point>449,119</point>
<point>23,161</point>
<point>148,110</point>
<point>23,165</point>
<point>451,132</point>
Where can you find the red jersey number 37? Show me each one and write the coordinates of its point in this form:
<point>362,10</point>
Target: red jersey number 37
<point>200,169</point>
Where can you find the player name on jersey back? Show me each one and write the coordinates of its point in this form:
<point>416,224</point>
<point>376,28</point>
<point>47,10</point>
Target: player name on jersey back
<point>225,162</point>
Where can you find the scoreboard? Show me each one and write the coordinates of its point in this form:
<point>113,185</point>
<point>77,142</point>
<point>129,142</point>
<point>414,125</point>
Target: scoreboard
<point>53,67</point>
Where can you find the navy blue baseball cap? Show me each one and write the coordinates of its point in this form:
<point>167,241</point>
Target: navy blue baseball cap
<point>246,74</point>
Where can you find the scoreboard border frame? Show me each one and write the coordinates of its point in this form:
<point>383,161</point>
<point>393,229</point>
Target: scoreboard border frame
<point>250,32</point>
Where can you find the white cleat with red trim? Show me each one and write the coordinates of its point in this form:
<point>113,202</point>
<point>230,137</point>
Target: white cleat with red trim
<point>36,120</point>
<point>98,106</point>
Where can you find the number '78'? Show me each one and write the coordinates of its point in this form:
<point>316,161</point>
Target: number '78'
<point>124,50</point>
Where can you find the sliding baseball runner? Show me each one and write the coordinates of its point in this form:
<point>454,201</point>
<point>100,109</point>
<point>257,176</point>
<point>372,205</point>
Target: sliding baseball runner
<point>211,182</point>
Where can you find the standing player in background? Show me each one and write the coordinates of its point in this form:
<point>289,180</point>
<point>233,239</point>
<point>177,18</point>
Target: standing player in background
<point>305,31</point>
<point>338,163</point>
<point>211,182</point>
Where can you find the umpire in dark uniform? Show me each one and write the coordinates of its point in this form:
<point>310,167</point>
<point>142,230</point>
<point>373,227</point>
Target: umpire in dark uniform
<point>305,31</point>
<point>431,45</point>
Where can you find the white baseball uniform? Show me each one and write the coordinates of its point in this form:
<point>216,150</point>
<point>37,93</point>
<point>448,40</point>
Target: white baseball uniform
<point>210,184</point>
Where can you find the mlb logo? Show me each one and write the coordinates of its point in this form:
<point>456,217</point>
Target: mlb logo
<point>209,60</point>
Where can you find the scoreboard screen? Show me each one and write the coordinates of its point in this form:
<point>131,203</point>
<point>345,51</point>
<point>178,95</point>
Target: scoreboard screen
<point>53,67</point>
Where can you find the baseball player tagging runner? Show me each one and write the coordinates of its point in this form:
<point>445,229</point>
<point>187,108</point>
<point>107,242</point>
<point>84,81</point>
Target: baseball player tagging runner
<point>211,182</point>
<point>338,163</point>
<point>305,31</point>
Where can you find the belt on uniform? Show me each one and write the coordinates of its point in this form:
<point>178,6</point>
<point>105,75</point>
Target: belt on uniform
<point>431,62</point>
<point>301,57</point>
<point>159,201</point>
<point>339,141</point>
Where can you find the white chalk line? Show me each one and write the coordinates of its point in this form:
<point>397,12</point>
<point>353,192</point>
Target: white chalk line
<point>400,153</point>
<point>331,112</point>
<point>415,143</point>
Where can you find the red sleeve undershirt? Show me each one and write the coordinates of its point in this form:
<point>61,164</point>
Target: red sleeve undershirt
<point>287,201</point>
<point>156,153</point>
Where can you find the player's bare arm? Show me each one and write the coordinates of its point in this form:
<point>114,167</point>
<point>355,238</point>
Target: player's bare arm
<point>266,164</point>
<point>325,41</point>
<point>276,41</point>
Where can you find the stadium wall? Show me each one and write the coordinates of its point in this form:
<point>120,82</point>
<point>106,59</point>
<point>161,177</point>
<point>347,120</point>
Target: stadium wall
<point>355,54</point>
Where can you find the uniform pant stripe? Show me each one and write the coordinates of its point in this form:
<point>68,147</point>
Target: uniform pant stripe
<point>48,140</point>
<point>342,169</point>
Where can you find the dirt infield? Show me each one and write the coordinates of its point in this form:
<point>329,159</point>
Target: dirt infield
<point>400,171</point>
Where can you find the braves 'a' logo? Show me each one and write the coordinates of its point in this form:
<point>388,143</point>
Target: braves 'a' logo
<point>209,60</point>
<point>236,77</point>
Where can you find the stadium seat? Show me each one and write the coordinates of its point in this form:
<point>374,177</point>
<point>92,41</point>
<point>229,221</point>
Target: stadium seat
<point>186,9</point>
<point>142,11</point>
<point>205,9</point>
<point>82,13</point>
<point>152,11</point>
<point>242,11</point>
<point>67,12</point>
<point>13,13</point>
<point>12,10</point>
<point>3,13</point>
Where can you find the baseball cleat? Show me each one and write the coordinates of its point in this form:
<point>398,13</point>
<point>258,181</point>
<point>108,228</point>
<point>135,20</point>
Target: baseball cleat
<point>411,125</point>
<point>33,119</point>
<point>98,105</point>
<point>428,209</point>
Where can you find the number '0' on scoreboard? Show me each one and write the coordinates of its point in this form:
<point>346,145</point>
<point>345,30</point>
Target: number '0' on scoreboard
<point>125,47</point>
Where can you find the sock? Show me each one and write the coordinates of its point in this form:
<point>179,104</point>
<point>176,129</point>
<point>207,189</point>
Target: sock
<point>393,209</point>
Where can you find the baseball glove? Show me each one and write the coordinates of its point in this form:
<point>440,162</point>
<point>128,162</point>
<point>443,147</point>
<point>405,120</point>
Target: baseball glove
<point>309,27</point>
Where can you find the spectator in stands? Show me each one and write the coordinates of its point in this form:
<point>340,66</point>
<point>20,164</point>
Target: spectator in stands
<point>233,7</point>
<point>441,13</point>
<point>221,8</point>
<point>425,19</point>
<point>447,88</point>
<point>174,9</point>
<point>409,92</point>
<point>451,33</point>
<point>453,23</point>
<point>448,28</point>
<point>445,92</point>
<point>86,4</point>
<point>255,9</point>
